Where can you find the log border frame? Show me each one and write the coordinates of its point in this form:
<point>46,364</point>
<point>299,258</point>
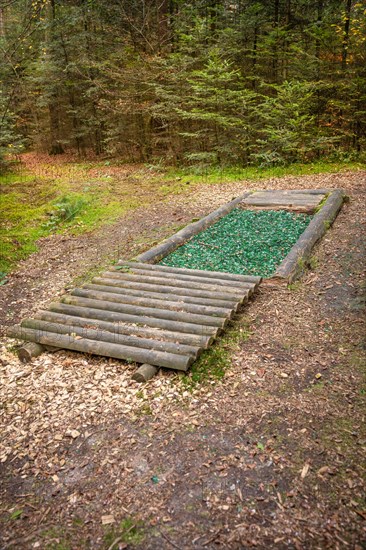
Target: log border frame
<point>158,252</point>
<point>293,265</point>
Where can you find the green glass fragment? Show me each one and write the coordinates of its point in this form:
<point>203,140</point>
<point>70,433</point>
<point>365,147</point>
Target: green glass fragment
<point>244,242</point>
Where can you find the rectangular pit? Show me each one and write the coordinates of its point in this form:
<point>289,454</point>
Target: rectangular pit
<point>245,241</point>
<point>318,207</point>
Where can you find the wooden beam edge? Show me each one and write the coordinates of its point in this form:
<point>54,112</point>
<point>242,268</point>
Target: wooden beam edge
<point>294,263</point>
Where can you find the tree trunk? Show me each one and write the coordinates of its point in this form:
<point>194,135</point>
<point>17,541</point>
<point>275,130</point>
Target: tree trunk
<point>254,56</point>
<point>56,147</point>
<point>319,22</point>
<point>2,22</point>
<point>275,47</point>
<point>286,41</point>
<point>345,41</point>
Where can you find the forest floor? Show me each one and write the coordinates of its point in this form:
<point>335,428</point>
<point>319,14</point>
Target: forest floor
<point>270,456</point>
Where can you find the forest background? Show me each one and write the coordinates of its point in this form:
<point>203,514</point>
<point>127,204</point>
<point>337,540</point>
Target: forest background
<point>106,107</point>
<point>209,82</point>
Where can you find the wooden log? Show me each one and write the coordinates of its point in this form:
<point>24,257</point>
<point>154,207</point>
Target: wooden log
<point>159,281</point>
<point>112,337</point>
<point>145,373</point>
<point>123,328</point>
<point>280,195</point>
<point>146,311</point>
<point>196,272</point>
<point>29,351</point>
<point>153,303</point>
<point>295,209</point>
<point>293,205</point>
<point>168,289</point>
<point>300,191</point>
<point>185,277</point>
<point>231,303</point>
<point>166,247</point>
<point>285,201</point>
<point>295,261</point>
<point>113,316</point>
<point>158,358</point>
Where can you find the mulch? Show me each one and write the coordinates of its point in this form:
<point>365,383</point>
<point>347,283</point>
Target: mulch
<point>271,456</point>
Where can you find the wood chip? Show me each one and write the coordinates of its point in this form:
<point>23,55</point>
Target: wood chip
<point>108,519</point>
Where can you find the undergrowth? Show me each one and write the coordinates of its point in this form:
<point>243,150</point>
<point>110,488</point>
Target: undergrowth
<point>214,362</point>
<point>35,207</point>
<point>66,209</point>
<point>217,174</point>
<point>130,532</point>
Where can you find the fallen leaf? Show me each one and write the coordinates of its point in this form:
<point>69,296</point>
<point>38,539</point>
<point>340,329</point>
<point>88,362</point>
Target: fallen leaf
<point>305,470</point>
<point>323,470</point>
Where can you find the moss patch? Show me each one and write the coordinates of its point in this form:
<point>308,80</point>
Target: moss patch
<point>215,361</point>
<point>130,532</point>
<point>34,207</point>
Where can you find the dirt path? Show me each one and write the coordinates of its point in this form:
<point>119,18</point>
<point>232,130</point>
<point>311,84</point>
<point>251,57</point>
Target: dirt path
<point>271,457</point>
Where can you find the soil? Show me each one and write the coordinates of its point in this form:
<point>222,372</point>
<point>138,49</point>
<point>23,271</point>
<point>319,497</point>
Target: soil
<point>272,456</point>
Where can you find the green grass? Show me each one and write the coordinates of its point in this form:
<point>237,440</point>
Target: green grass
<point>28,218</point>
<point>56,538</point>
<point>214,362</point>
<point>129,531</point>
<point>254,173</point>
<point>34,207</point>
<point>15,177</point>
<point>97,193</point>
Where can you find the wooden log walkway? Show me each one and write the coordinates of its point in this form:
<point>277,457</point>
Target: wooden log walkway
<point>142,312</point>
